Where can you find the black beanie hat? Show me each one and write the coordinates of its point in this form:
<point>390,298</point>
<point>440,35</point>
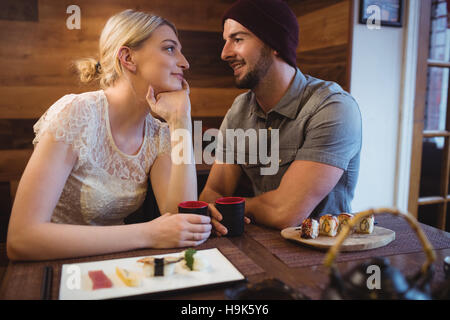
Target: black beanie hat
<point>272,21</point>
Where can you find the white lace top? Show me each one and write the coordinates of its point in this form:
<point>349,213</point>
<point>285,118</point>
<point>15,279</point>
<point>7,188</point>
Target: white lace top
<point>105,185</point>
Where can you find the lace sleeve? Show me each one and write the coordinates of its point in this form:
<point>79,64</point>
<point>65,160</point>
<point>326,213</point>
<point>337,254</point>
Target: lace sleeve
<point>67,121</point>
<point>164,146</point>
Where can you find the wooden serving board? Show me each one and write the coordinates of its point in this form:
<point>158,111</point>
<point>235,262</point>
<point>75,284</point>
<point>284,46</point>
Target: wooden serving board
<point>354,242</point>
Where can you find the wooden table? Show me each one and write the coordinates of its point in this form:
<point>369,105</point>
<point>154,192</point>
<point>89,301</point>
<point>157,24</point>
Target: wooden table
<point>23,279</point>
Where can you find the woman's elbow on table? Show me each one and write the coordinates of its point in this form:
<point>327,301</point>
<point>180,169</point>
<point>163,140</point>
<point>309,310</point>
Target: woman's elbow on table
<point>13,250</point>
<point>18,247</point>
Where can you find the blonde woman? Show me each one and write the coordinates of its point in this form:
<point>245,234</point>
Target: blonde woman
<point>95,151</point>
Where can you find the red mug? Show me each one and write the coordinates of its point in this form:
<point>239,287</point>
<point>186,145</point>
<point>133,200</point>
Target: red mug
<point>195,207</point>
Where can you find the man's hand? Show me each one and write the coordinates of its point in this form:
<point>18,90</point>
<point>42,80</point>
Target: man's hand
<point>218,228</point>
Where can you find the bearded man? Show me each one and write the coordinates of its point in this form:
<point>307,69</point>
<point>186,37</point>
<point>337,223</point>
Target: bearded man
<point>317,123</point>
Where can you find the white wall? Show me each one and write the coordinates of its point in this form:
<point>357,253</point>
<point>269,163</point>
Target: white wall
<point>376,80</point>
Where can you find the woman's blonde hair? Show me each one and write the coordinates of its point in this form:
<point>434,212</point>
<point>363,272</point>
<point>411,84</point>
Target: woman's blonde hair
<point>128,28</point>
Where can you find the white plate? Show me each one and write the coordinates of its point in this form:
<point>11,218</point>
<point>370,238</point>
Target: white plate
<point>76,284</point>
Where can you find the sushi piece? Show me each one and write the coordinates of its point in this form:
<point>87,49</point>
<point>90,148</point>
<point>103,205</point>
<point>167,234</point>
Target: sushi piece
<point>157,267</point>
<point>328,225</point>
<point>366,225</point>
<point>309,229</point>
<point>129,278</point>
<point>343,219</point>
<point>193,262</point>
<point>99,280</point>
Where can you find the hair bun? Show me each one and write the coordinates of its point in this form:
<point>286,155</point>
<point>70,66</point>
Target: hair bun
<point>88,69</point>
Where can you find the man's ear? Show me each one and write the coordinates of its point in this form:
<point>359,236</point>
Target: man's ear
<point>126,59</point>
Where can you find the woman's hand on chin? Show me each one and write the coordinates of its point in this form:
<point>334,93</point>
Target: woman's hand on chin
<point>172,106</point>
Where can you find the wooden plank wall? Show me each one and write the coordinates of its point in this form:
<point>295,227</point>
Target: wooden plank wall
<point>37,51</point>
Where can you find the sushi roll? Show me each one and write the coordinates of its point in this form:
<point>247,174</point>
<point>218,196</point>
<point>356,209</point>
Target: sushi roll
<point>328,225</point>
<point>309,229</point>
<point>366,225</point>
<point>343,219</point>
<point>157,267</point>
<point>192,262</point>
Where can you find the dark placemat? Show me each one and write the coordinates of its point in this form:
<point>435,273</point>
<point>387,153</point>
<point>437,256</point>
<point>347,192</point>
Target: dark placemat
<point>296,255</point>
<point>29,274</point>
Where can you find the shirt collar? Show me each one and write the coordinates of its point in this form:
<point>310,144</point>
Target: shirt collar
<point>289,104</point>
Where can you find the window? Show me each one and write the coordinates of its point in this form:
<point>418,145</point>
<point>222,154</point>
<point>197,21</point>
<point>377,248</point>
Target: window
<point>429,193</point>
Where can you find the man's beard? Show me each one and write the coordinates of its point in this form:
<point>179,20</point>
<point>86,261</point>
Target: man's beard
<point>254,75</point>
